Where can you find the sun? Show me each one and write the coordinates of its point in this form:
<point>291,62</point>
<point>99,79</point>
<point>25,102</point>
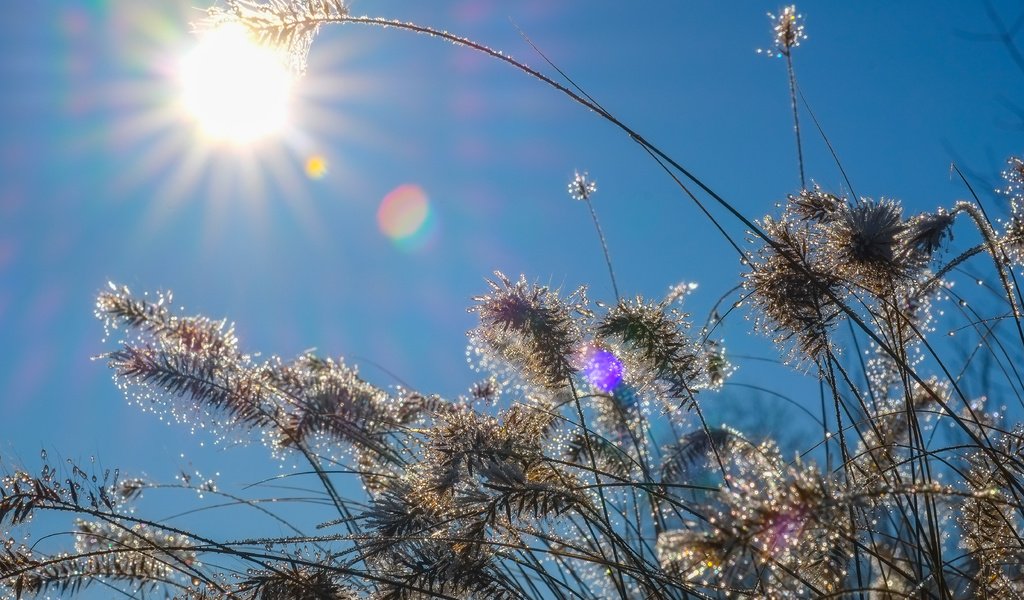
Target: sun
<point>207,119</point>
<point>234,89</point>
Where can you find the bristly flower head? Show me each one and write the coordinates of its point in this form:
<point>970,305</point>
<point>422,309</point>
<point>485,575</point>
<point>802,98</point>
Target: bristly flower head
<point>926,233</point>
<point>816,205</point>
<point>793,291</point>
<point>788,27</point>
<point>655,347</point>
<point>288,25</point>
<point>582,187</point>
<point>531,328</point>
<point>866,243</point>
<point>1014,177</point>
<point>1012,239</point>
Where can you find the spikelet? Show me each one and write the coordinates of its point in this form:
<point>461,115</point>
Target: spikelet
<point>926,233</point>
<point>700,451</point>
<point>815,205</point>
<point>1013,175</point>
<point>137,548</point>
<point>189,368</point>
<point>136,554</point>
<point>331,404</point>
<point>796,528</point>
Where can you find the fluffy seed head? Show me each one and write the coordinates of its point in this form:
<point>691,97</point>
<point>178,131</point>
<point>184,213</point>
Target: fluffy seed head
<point>1012,239</point>
<point>655,344</point>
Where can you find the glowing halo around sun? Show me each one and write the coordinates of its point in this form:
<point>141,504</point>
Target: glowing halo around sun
<point>219,160</point>
<point>236,90</point>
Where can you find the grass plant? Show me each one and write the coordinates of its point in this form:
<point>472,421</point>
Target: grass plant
<point>581,464</point>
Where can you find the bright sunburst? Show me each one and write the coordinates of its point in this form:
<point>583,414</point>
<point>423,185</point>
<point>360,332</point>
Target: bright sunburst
<point>236,90</point>
<point>207,117</point>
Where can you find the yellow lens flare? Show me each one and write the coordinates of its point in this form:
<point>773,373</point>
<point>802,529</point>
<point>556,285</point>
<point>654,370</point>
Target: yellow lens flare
<point>236,90</point>
<point>316,166</point>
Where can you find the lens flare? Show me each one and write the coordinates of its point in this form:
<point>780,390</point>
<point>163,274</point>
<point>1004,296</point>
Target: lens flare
<point>236,90</point>
<point>316,166</point>
<point>599,367</point>
<point>404,216</point>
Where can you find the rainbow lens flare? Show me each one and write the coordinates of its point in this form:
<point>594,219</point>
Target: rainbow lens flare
<point>405,217</point>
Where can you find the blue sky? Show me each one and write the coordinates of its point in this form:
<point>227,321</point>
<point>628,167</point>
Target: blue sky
<point>101,180</point>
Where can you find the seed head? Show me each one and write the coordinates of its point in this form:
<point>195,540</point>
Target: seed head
<point>788,27</point>
<point>816,205</point>
<point>655,346</point>
<point>866,244</point>
<point>286,25</point>
<point>531,328</point>
<point>792,290</point>
<point>582,187</point>
<point>926,232</point>
<point>1012,239</point>
<point>1014,177</point>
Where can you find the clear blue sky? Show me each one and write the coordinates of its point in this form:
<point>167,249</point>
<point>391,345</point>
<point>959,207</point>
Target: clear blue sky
<point>100,180</point>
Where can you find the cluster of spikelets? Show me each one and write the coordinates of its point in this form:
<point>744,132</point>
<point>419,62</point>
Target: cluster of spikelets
<point>459,494</point>
<point>556,472</point>
<point>581,465</point>
<point>826,259</point>
<point>824,253</point>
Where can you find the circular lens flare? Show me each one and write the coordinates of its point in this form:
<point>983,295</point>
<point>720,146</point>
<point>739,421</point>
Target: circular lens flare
<point>599,367</point>
<point>404,216</point>
<point>316,166</point>
<point>235,89</point>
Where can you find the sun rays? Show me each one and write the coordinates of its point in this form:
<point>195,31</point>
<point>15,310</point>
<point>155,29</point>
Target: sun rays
<point>235,89</point>
<point>211,119</point>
